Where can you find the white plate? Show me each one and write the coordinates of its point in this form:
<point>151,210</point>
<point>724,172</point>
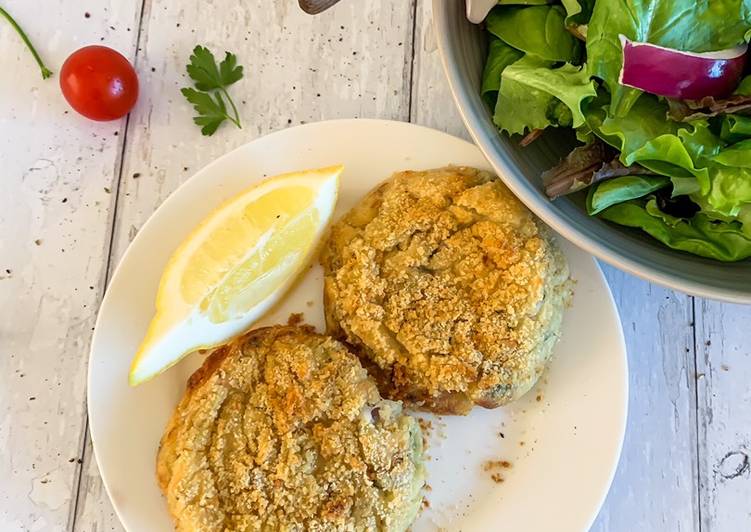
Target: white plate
<point>563,448</point>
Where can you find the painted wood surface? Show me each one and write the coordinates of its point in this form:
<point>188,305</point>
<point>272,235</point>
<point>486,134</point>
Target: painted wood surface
<point>83,190</point>
<point>655,487</point>
<point>723,376</point>
<point>57,172</point>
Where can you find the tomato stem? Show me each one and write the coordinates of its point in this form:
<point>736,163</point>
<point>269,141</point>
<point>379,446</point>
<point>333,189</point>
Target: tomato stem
<point>46,72</point>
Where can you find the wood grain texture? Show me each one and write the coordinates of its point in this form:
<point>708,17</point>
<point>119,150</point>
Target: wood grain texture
<point>682,468</point>
<point>655,487</point>
<point>353,61</point>
<point>724,396</point>
<point>432,104</point>
<point>55,216</point>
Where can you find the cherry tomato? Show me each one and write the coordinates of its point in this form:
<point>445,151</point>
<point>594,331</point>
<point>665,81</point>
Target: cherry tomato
<point>99,83</point>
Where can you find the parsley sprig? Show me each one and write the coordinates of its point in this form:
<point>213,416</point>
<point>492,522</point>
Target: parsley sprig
<point>211,82</point>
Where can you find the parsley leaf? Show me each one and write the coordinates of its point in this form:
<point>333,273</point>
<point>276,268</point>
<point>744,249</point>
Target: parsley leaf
<point>211,112</point>
<point>229,70</point>
<point>211,82</point>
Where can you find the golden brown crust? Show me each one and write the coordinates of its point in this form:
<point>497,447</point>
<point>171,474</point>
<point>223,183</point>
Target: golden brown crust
<point>448,285</point>
<point>283,430</point>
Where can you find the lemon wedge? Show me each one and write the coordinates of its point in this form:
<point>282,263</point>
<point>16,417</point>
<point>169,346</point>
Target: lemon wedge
<point>235,265</point>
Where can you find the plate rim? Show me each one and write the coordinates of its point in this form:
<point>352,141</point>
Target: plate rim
<point>624,399</point>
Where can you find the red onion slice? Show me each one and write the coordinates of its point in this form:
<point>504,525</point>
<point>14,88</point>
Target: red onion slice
<point>681,75</point>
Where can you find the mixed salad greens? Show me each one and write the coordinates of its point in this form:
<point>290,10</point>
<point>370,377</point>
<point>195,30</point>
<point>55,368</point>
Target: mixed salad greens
<point>677,169</point>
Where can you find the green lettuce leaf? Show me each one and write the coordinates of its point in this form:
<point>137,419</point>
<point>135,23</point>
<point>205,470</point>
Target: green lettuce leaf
<point>744,217</point>
<point>667,155</point>
<point>537,30</point>
<point>585,135</point>
<point>654,210</point>
<point>628,133</point>
<point>729,181</point>
<point>700,235</point>
<point>690,25</point>
<point>500,55</point>
<point>744,87</point>
<point>709,211</point>
<point>734,128</point>
<point>700,142</point>
<point>681,151</point>
<point>738,155</point>
<point>614,191</point>
<point>578,11</point>
<point>730,189</point>
<point>531,95</point>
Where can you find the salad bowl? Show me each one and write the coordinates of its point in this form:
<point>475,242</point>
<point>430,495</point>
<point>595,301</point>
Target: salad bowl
<point>463,49</point>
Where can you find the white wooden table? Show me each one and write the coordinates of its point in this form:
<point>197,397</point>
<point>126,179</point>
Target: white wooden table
<point>74,194</point>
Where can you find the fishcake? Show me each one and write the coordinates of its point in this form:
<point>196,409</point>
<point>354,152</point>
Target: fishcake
<point>449,289</point>
<point>283,429</point>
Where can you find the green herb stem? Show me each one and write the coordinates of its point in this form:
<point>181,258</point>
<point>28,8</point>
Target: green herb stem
<point>46,72</point>
<point>236,119</point>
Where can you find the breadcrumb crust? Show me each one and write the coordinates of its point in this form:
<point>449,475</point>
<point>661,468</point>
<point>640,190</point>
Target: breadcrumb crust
<point>283,430</point>
<point>449,289</point>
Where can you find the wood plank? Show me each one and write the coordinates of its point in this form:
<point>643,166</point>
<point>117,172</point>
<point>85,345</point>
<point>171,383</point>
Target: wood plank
<point>655,487</point>
<point>724,396</point>
<point>432,103</point>
<point>55,219</point>
<point>352,61</point>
